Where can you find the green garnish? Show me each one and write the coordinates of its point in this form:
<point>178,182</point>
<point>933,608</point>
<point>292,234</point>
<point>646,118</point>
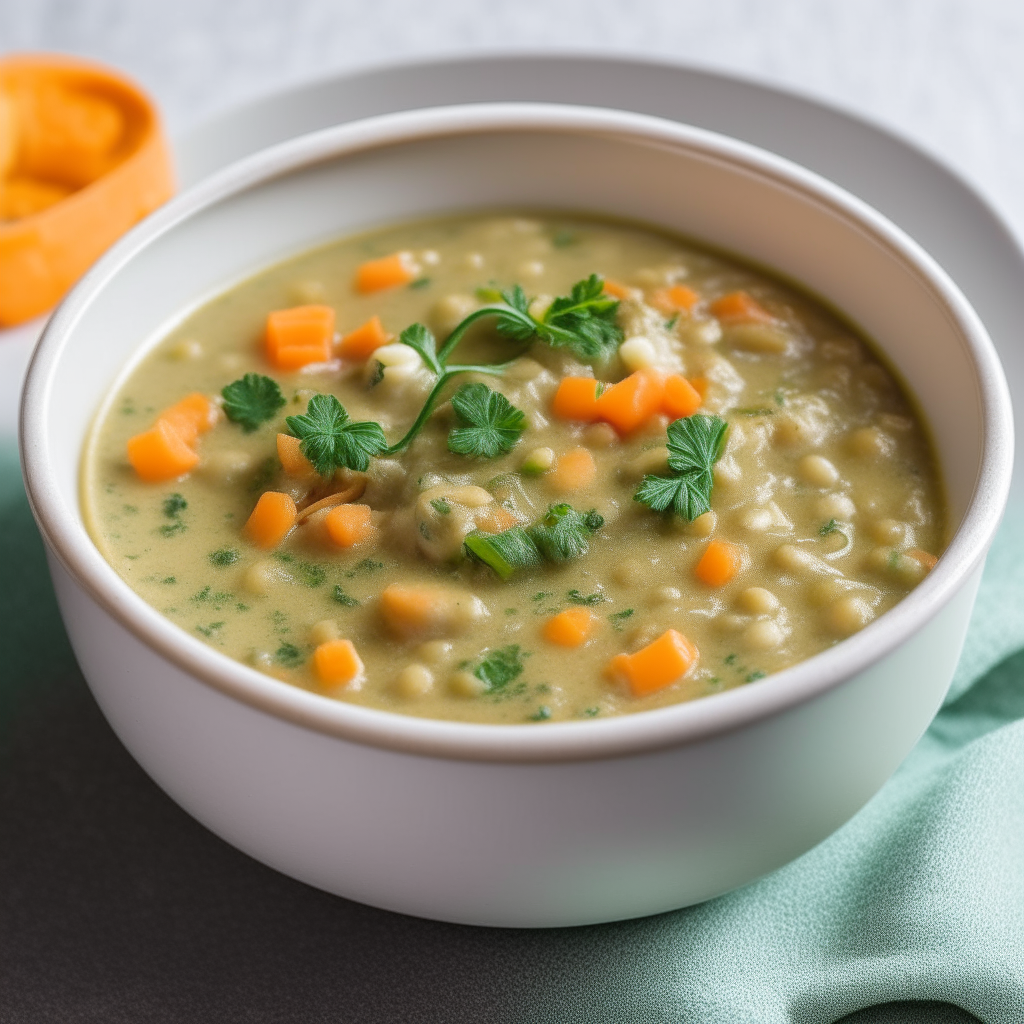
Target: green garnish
<point>563,237</point>
<point>589,600</point>
<point>618,618</point>
<point>695,444</point>
<point>560,535</point>
<point>226,556</point>
<point>289,655</point>
<point>500,668</point>
<point>753,677</point>
<point>330,439</point>
<point>755,410</point>
<point>830,527</point>
<point>489,424</point>
<point>342,598</point>
<point>174,505</point>
<point>542,714</point>
<point>420,282</point>
<point>252,400</point>
<point>441,507</point>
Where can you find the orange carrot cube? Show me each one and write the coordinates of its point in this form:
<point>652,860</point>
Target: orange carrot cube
<point>675,299</point>
<point>365,340</point>
<point>659,664</point>
<point>193,415</point>
<point>160,453</point>
<point>348,525</point>
<point>720,562</point>
<point>569,628</point>
<point>494,519</point>
<point>573,471</point>
<point>576,399</point>
<point>634,400</point>
<point>681,398</point>
<point>740,308</point>
<point>289,452</point>
<point>299,336</point>
<point>617,290</point>
<point>386,272</point>
<point>271,519</point>
<point>925,558</point>
<point>337,663</point>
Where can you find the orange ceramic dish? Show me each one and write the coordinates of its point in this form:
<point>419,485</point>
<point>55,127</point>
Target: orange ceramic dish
<point>83,157</point>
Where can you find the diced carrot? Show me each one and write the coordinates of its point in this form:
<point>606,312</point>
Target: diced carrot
<point>365,340</point>
<point>495,519</point>
<point>271,519</point>
<point>348,525</point>
<point>289,451</point>
<point>925,558</point>
<point>681,398</point>
<point>655,666</point>
<point>617,290</point>
<point>576,399</point>
<point>193,415</point>
<point>573,471</point>
<point>740,308</point>
<point>387,272</point>
<point>675,299</point>
<point>160,453</point>
<point>410,611</point>
<point>634,400</point>
<point>719,563</point>
<point>700,385</point>
<point>337,663</point>
<point>299,336</point>
<point>569,628</point>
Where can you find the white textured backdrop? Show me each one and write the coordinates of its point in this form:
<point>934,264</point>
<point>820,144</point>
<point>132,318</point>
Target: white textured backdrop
<point>948,73</point>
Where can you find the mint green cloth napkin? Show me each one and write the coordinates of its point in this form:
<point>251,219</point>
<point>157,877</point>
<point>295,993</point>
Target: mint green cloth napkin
<point>912,912</point>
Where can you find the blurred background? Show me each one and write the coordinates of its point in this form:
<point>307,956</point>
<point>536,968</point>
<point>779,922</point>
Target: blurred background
<point>947,73</point>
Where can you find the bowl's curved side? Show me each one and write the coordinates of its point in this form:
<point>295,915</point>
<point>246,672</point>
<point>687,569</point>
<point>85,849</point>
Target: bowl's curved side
<point>513,844</point>
<point>433,161</point>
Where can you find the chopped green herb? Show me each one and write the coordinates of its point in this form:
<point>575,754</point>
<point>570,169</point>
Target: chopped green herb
<point>755,675</point>
<point>310,574</point>
<point>377,375</point>
<point>252,400</point>
<point>780,397</point>
<point>441,507</point>
<point>500,668</point>
<point>695,444</point>
<point>171,529</point>
<point>563,238</point>
<point>830,527</point>
<point>541,594</point>
<point>730,659</point>
<point>342,598</point>
<point>225,556</point>
<point>241,607</point>
<point>618,619</point>
<point>559,536</point>
<point>208,631</point>
<point>592,712</point>
<point>331,440</point>
<point>365,565</point>
<point>130,509</point>
<point>511,611</point>
<point>489,425</point>
<point>542,714</point>
<point>420,282</point>
<point>669,324</point>
<point>174,505</point>
<point>755,410</point>
<point>575,597</point>
<point>894,559</point>
<point>168,580</point>
<point>289,655</point>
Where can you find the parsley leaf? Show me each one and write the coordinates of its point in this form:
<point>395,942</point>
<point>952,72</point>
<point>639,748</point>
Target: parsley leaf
<point>695,444</point>
<point>330,439</point>
<point>421,340</point>
<point>490,425</point>
<point>563,532</point>
<point>583,322</point>
<point>830,527</point>
<point>576,597</point>
<point>252,400</point>
<point>500,668</point>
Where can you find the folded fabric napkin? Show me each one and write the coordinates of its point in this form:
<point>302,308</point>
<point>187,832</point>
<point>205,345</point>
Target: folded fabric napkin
<point>912,912</point>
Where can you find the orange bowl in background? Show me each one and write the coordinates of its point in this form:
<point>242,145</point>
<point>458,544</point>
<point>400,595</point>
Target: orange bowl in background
<point>83,157</point>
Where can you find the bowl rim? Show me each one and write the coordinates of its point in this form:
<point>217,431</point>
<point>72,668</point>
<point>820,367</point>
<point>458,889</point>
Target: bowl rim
<point>63,528</point>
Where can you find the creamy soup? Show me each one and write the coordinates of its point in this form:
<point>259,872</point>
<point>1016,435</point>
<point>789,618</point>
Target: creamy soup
<point>663,474</point>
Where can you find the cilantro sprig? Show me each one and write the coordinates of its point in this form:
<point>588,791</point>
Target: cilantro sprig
<point>489,424</point>
<point>695,444</point>
<point>252,400</point>
<point>560,535</point>
<point>331,439</point>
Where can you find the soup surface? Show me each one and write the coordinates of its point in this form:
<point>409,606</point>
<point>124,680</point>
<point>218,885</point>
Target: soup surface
<point>678,479</point>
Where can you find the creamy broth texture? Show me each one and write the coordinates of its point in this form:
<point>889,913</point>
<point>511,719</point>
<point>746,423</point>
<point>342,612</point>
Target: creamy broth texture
<point>826,502</point>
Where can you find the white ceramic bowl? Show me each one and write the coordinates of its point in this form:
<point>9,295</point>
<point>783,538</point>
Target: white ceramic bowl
<point>565,823</point>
